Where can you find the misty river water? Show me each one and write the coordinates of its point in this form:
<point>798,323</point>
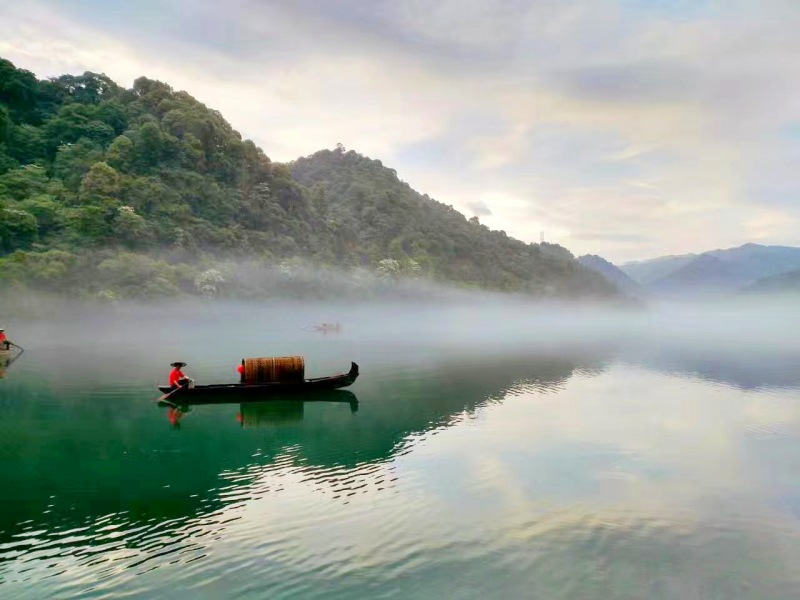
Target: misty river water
<point>485,451</point>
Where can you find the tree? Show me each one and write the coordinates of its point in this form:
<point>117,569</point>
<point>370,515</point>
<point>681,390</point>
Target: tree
<point>121,154</point>
<point>27,144</point>
<point>89,88</point>
<point>76,121</point>
<point>73,161</point>
<point>137,276</point>
<point>100,184</point>
<point>18,229</point>
<point>18,90</point>
<point>209,282</point>
<point>148,146</point>
<point>6,125</point>
<point>50,270</point>
<point>130,228</point>
<point>23,182</point>
<point>49,213</point>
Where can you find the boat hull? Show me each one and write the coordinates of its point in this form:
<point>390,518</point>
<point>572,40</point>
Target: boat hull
<point>257,391</point>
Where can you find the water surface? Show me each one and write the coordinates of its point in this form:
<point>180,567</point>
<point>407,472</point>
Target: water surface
<point>520,464</point>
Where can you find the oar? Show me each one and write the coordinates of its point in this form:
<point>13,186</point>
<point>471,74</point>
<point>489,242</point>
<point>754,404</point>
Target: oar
<point>17,346</point>
<point>11,361</point>
<point>168,394</point>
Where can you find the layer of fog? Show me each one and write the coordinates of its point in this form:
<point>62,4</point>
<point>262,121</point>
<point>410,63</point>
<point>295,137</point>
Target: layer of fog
<point>487,320</point>
<point>727,337</point>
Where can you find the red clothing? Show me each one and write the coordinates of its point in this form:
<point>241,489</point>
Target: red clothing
<point>3,337</point>
<point>175,376</point>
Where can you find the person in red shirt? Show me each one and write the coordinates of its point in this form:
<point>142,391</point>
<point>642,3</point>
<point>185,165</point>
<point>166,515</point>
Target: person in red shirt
<point>5,343</point>
<point>177,378</point>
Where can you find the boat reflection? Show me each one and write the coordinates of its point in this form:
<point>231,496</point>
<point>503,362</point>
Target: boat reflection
<point>276,411</point>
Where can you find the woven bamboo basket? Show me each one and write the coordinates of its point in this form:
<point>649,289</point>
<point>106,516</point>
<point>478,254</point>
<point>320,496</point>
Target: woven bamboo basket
<point>284,369</point>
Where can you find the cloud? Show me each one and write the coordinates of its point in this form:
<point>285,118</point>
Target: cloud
<point>665,124</point>
<point>610,236</point>
<point>479,208</point>
<point>644,82</point>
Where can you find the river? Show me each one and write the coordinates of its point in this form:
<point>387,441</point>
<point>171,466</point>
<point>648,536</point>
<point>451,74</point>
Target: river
<point>497,452</point>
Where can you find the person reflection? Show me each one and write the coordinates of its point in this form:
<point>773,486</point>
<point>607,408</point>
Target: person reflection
<point>175,414</point>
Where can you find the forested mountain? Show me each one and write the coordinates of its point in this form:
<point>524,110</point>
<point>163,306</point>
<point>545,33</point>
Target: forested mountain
<point>139,192</point>
<point>372,213</point>
<point>613,274</point>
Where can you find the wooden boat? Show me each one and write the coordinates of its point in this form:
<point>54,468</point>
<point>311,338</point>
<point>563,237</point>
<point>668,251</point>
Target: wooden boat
<point>236,391</point>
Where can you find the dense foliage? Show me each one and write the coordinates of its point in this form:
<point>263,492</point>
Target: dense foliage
<point>142,192</point>
<point>369,212</point>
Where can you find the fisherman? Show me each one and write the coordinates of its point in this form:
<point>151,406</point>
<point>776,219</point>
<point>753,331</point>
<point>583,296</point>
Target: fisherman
<point>177,378</point>
<point>5,343</point>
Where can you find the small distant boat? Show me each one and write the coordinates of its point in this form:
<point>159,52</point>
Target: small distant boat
<point>259,390</point>
<point>325,327</point>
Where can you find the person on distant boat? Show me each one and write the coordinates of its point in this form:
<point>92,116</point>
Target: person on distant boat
<point>5,343</point>
<point>177,378</point>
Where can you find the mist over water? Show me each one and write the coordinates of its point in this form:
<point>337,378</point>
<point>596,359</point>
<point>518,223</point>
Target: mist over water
<point>450,318</point>
<point>491,445</point>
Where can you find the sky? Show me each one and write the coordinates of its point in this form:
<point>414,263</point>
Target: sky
<point>625,128</point>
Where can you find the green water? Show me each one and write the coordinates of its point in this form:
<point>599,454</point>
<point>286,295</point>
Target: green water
<point>457,466</point>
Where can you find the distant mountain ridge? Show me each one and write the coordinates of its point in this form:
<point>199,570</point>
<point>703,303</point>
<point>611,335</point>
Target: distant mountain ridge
<point>645,272</point>
<point>613,274</point>
<point>716,271</point>
<point>784,283</point>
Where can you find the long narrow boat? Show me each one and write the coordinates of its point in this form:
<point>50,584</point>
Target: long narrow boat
<point>236,390</point>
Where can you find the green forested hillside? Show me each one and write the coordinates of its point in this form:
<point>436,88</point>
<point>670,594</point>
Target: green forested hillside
<point>140,192</point>
<point>368,210</point>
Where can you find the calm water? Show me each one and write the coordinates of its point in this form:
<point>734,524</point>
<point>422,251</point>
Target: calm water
<point>466,462</point>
